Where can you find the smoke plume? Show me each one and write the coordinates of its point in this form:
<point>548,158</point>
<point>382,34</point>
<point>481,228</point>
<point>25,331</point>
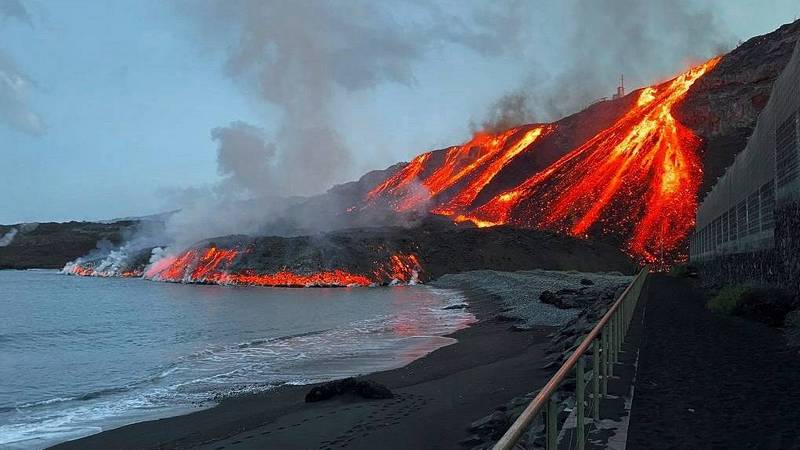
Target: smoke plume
<point>606,38</point>
<point>508,111</point>
<point>300,56</point>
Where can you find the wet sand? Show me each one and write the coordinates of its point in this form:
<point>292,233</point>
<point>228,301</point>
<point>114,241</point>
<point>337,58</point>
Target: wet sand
<point>436,399</point>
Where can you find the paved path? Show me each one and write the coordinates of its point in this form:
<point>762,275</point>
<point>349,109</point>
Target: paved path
<point>711,382</point>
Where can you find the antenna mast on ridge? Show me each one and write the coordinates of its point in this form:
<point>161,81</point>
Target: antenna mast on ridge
<point>621,88</point>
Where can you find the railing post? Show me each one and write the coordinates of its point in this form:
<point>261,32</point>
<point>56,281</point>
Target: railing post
<point>631,301</point>
<point>611,346</point>
<point>624,306</point>
<point>596,379</point>
<point>552,423</point>
<point>579,388</point>
<point>620,336</point>
<point>606,339</point>
<point>623,331</point>
<point>624,320</point>
<point>604,342</point>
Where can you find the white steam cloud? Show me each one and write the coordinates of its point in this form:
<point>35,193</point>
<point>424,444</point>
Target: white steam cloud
<point>8,237</point>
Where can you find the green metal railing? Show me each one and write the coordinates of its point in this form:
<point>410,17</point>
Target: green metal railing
<point>605,340</point>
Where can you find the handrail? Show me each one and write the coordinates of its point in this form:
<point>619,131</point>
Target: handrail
<point>518,428</point>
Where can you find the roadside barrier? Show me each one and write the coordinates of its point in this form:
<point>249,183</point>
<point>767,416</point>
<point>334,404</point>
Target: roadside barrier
<point>605,340</point>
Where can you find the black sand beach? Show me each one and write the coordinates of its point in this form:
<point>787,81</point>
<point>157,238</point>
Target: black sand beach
<point>435,400</point>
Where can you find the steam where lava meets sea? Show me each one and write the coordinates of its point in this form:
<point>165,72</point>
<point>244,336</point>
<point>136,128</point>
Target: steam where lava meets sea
<point>367,256</point>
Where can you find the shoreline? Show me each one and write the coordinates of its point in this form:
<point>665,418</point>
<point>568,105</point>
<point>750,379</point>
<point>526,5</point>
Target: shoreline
<point>452,386</point>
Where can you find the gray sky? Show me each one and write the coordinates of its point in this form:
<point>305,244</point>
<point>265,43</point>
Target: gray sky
<point>118,108</point>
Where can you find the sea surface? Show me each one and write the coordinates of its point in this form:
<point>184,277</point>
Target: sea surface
<point>80,355</point>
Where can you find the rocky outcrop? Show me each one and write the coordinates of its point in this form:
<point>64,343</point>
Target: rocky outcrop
<point>723,106</point>
<point>51,245</point>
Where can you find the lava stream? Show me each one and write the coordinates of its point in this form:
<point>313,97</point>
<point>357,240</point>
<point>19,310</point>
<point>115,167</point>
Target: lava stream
<point>637,179</point>
<point>476,163</point>
<point>215,266</point>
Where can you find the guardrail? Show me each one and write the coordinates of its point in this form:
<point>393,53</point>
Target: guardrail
<point>606,340</point>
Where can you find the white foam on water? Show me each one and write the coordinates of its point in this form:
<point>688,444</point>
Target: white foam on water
<point>196,380</point>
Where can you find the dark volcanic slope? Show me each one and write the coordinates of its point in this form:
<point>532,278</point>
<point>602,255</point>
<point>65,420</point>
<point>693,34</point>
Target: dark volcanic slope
<point>723,106</point>
<point>367,256</point>
<point>441,247</point>
<point>51,245</point>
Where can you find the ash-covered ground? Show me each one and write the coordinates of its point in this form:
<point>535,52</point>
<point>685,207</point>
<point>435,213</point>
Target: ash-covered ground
<point>525,294</point>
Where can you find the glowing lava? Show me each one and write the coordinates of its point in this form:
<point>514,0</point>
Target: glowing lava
<point>214,265</point>
<point>636,180</point>
<point>475,163</point>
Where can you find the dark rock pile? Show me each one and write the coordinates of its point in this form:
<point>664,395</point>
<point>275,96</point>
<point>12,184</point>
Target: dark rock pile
<point>569,336</point>
<point>361,388</point>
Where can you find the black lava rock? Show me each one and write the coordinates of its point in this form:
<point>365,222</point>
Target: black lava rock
<point>361,388</point>
<point>586,282</point>
<point>548,297</point>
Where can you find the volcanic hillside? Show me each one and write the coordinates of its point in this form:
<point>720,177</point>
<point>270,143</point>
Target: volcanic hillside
<point>630,169</point>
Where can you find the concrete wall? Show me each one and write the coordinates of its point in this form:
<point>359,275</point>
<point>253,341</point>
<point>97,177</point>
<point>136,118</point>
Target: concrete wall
<point>739,215</point>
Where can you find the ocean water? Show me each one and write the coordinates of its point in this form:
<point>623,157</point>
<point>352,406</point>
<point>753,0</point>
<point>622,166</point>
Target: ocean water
<point>80,355</point>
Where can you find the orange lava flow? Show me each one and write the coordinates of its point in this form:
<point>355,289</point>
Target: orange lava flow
<point>468,194</point>
<point>213,265</point>
<point>476,163</point>
<point>637,179</point>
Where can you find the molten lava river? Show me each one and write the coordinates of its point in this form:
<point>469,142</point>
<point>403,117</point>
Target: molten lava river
<point>636,180</point>
<point>214,266</point>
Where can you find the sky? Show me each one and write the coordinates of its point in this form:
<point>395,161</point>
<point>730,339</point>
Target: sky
<point>126,107</point>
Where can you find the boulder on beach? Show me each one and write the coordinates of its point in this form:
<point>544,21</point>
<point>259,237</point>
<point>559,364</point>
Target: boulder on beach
<point>362,388</point>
